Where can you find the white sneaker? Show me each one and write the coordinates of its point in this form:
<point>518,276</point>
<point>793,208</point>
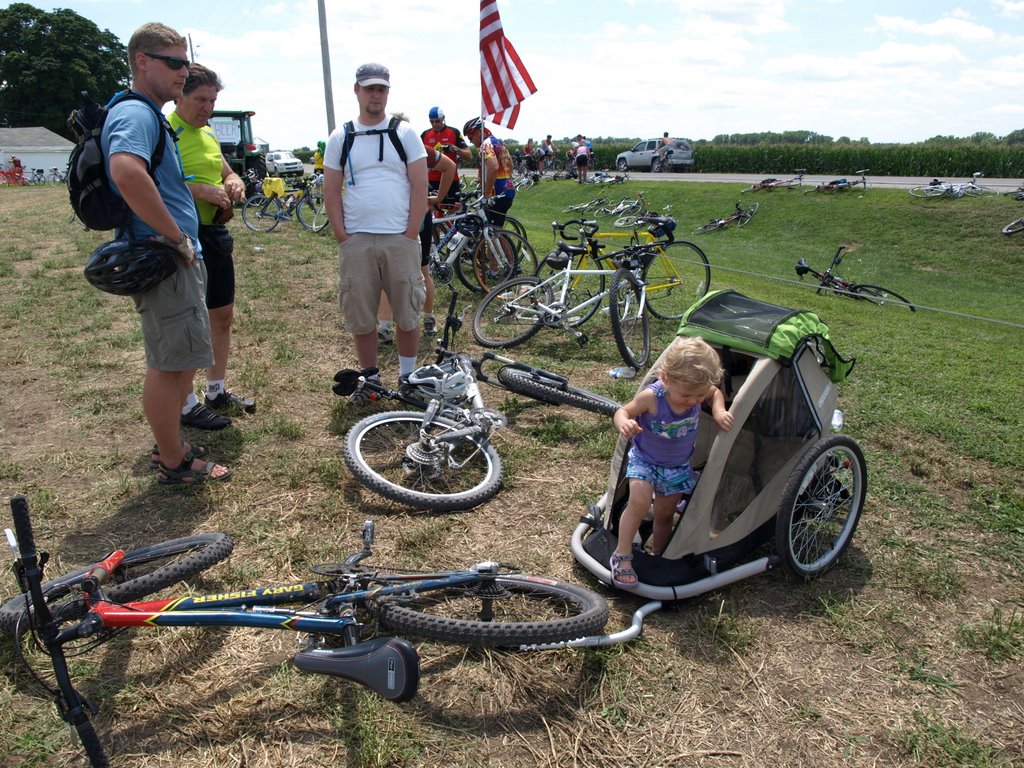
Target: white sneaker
<point>385,334</point>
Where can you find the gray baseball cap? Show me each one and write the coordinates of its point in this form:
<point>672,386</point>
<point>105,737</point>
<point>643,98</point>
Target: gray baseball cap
<point>373,74</point>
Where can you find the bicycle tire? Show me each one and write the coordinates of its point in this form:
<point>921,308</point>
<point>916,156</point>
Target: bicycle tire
<point>876,294</point>
<point>1014,227</point>
<point>631,323</point>
<point>500,255</point>
<point>311,213</point>
<point>513,224</point>
<point>376,452</point>
<point>185,557</point>
<point>747,214</point>
<point>820,506</point>
<point>581,288</point>
<point>260,213</point>
<point>928,191</point>
<point>91,744</point>
<point>464,263</point>
<point>677,277</point>
<point>528,610</point>
<point>554,392</point>
<point>510,314</point>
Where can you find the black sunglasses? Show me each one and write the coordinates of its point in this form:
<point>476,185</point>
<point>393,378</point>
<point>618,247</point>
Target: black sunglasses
<point>174,62</point>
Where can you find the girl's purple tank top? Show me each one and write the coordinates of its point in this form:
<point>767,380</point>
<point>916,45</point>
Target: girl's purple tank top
<point>668,438</point>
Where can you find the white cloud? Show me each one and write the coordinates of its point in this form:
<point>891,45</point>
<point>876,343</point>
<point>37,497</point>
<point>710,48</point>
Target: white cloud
<point>949,27</point>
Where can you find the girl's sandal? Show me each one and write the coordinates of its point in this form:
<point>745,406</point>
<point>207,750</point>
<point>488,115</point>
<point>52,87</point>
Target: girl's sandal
<point>185,474</point>
<point>620,572</point>
<point>197,452</point>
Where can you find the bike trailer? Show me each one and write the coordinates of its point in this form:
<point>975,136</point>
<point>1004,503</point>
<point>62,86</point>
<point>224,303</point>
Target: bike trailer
<point>762,479</point>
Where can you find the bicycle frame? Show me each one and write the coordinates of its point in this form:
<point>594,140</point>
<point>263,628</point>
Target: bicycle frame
<point>826,279</point>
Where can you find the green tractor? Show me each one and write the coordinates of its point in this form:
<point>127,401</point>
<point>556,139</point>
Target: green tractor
<point>237,143</point>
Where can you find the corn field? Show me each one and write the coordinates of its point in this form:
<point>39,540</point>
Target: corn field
<point>940,160</point>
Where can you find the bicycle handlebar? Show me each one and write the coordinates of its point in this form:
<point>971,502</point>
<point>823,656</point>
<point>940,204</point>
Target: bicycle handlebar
<point>585,228</point>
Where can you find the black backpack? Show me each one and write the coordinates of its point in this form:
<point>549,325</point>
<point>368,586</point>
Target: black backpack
<point>391,131</point>
<point>93,199</point>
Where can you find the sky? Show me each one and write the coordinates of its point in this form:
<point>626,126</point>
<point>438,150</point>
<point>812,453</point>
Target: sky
<point>889,71</point>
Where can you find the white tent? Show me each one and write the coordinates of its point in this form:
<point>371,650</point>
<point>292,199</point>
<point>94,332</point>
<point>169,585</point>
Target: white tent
<point>35,147</point>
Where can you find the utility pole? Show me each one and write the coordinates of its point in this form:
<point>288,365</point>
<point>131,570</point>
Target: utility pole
<point>325,55</point>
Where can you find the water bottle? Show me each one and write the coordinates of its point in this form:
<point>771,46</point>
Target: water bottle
<point>622,372</point>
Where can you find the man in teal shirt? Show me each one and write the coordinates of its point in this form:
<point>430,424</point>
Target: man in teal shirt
<point>174,319</point>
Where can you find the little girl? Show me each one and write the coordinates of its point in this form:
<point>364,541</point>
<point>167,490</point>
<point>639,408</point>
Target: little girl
<point>662,421</point>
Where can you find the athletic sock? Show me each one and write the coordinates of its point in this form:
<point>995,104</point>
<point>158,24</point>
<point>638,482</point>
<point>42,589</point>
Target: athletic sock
<point>406,365</point>
<point>190,402</point>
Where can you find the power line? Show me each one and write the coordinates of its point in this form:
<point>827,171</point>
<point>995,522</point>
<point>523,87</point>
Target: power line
<point>920,307</point>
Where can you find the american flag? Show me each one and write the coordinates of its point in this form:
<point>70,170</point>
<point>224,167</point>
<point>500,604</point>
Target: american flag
<point>504,81</point>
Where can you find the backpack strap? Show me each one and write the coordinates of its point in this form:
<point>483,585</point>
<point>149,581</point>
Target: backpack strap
<point>391,131</point>
<point>165,129</point>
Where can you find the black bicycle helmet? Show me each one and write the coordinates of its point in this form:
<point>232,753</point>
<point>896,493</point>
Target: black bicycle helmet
<point>124,267</point>
<point>472,124</point>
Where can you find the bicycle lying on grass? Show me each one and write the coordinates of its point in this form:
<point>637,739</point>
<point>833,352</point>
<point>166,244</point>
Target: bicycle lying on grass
<point>843,184</point>
<point>1016,194</point>
<point>1015,226</point>
<point>440,457</point>
<point>939,188</point>
<point>828,281</point>
<point>768,185</point>
<point>741,216</point>
<point>489,604</point>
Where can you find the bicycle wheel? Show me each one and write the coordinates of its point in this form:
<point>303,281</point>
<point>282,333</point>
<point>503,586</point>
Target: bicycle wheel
<point>1014,227</point>
<point>260,213</point>
<point>711,226</point>
<point>821,506</point>
<point>143,572</point>
<point>311,213</point>
<point>396,455</point>
<point>511,313</point>
<point>876,294</point>
<point>631,324</point>
<point>582,287</point>
<point>928,191</point>
<point>501,255</point>
<point>464,261</point>
<point>513,224</point>
<point>747,214</point>
<point>554,392</point>
<point>675,278</point>
<point>506,610</point>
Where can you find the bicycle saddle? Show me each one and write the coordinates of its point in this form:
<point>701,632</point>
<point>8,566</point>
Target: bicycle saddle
<point>347,379</point>
<point>802,268</point>
<point>661,226</point>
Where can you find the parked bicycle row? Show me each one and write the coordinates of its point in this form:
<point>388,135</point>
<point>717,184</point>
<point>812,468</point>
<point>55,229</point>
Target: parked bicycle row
<point>15,175</point>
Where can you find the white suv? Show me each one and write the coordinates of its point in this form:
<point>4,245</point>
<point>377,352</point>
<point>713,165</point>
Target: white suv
<point>644,156</point>
<point>283,163</point>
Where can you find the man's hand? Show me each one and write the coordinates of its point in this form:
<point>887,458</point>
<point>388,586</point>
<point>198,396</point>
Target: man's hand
<point>183,246</point>
<point>235,188</point>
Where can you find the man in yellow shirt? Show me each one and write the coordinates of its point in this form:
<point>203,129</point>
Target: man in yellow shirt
<point>215,187</point>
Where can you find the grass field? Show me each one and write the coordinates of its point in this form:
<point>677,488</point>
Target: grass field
<point>909,653</point>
